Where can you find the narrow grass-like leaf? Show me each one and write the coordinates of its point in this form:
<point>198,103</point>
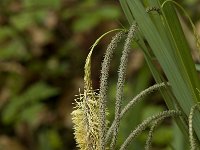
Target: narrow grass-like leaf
<point>127,11</point>
<point>167,94</point>
<point>183,56</point>
<point>174,69</point>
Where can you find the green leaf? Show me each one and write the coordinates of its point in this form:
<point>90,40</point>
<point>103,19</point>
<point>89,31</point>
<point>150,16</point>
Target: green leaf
<point>22,21</point>
<point>89,20</point>
<point>85,22</point>
<point>31,114</point>
<point>108,12</point>
<point>50,140</point>
<point>15,50</point>
<point>6,32</point>
<point>49,3</point>
<point>34,94</point>
<point>173,56</point>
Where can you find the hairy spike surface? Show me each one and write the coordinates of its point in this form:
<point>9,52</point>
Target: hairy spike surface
<point>121,81</point>
<point>141,127</point>
<point>150,135</point>
<point>85,115</point>
<point>150,9</point>
<point>87,76</point>
<point>86,122</point>
<point>190,118</point>
<point>134,101</point>
<point>104,85</point>
<point>86,111</point>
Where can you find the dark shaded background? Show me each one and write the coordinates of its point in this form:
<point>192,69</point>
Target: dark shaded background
<point>43,47</point>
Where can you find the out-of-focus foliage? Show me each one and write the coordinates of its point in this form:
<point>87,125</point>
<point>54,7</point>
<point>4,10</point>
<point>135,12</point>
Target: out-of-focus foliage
<point>43,46</point>
<point>30,98</point>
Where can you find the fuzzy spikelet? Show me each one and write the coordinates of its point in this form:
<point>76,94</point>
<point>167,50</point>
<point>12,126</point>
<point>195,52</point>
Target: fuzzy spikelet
<point>86,111</point>
<point>104,84</point>
<point>86,129</point>
<point>85,115</point>
<point>190,118</point>
<point>156,9</point>
<point>121,81</point>
<point>141,127</point>
<point>150,136</point>
<point>134,101</point>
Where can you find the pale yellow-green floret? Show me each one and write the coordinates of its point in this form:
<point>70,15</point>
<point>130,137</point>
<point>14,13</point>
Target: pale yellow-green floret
<point>86,116</point>
<point>86,120</point>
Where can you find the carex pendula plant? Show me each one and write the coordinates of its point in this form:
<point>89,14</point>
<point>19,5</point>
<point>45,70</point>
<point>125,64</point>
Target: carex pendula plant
<point>156,29</point>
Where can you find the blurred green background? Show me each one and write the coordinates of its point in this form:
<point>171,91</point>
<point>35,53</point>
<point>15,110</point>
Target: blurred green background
<point>43,47</point>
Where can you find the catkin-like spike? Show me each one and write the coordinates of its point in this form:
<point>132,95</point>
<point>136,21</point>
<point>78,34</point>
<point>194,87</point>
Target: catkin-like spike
<point>143,94</point>
<point>134,101</point>
<point>190,118</point>
<point>87,69</point>
<point>86,114</point>
<point>145,123</point>
<point>85,119</point>
<point>121,80</point>
<point>156,9</point>
<point>150,135</point>
<point>104,85</point>
<point>197,39</point>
